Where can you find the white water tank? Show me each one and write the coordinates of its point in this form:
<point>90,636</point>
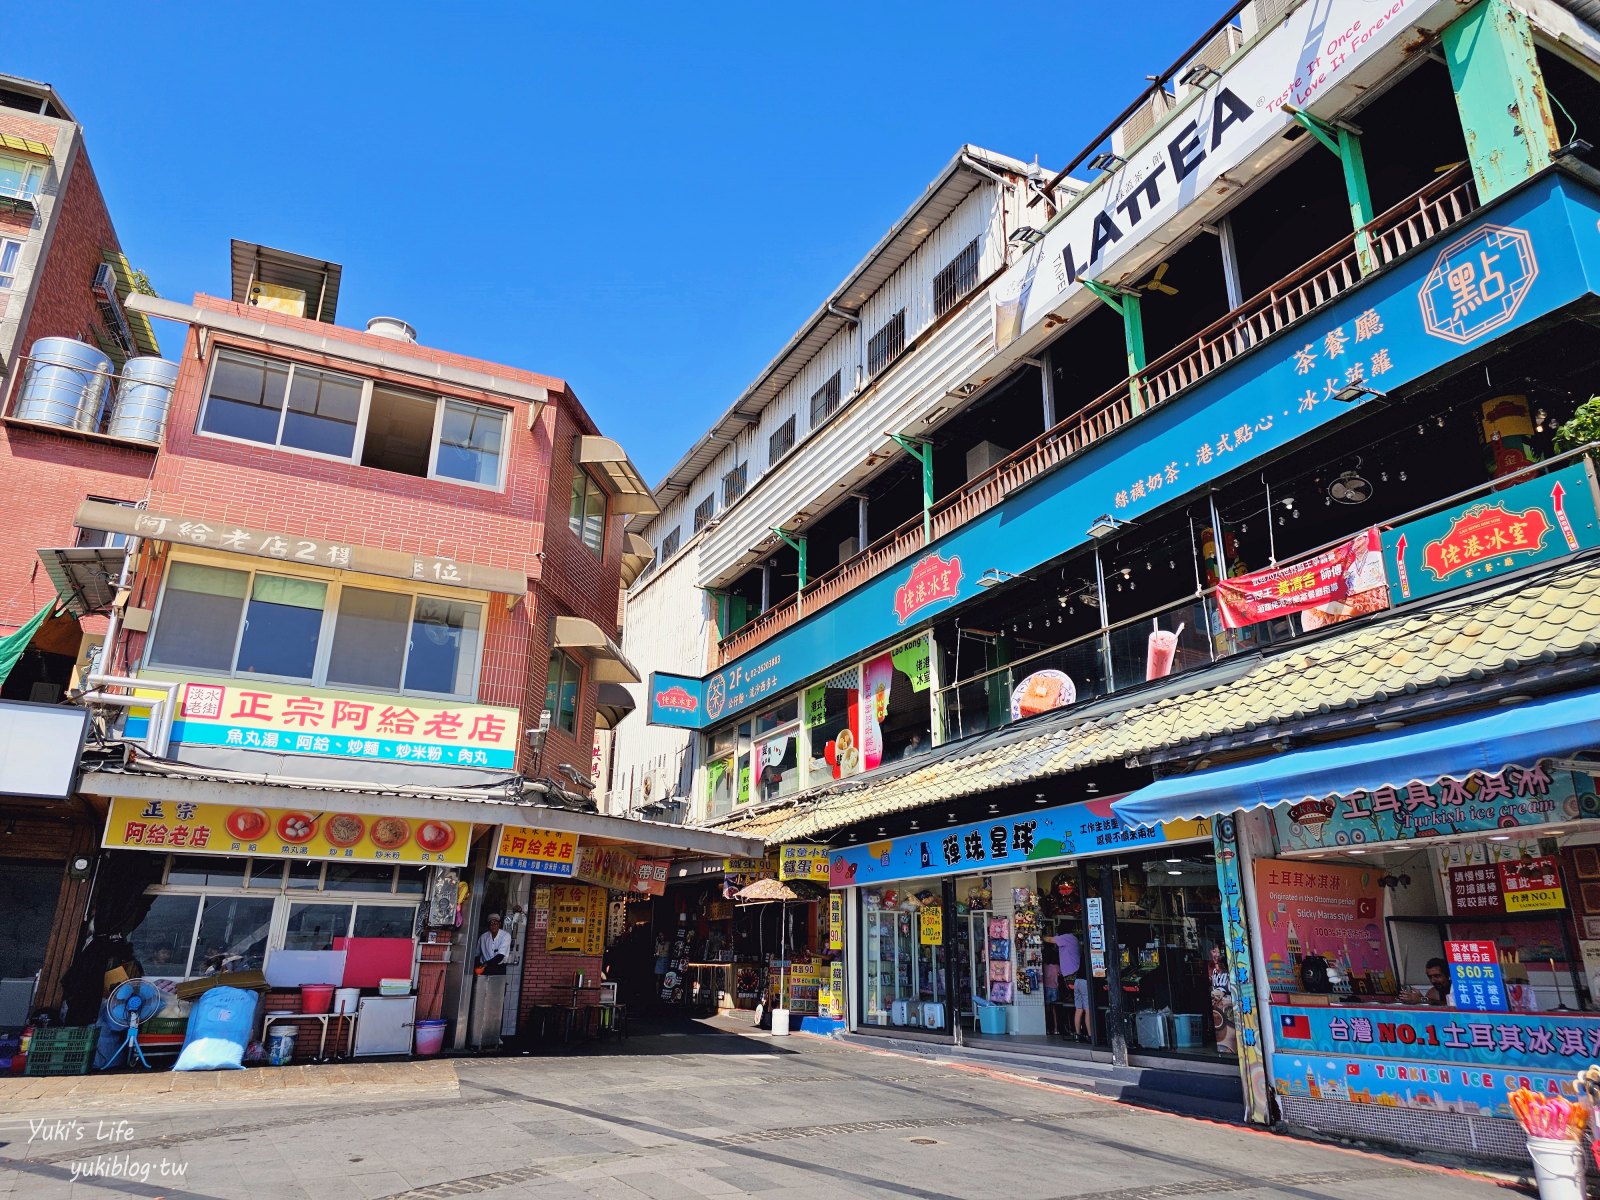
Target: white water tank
<point>144,394</point>
<point>392,327</point>
<point>64,384</point>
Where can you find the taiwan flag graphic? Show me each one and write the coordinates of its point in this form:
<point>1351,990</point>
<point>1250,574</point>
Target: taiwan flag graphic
<point>1296,1025</point>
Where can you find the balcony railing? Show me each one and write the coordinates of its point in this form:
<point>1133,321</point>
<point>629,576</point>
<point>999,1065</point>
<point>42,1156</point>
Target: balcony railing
<point>1442,204</point>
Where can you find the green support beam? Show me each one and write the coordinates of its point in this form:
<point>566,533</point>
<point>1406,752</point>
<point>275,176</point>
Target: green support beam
<point>921,450</point>
<point>1126,305</point>
<point>797,543</point>
<point>1346,143</point>
<point>1500,96</point>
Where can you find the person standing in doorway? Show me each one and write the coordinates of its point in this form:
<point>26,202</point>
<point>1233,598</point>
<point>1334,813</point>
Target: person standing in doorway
<point>494,948</point>
<point>1081,1024</point>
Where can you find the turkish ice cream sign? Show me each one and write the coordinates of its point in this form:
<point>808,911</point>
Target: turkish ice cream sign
<point>1314,908</point>
<point>1535,521</point>
<point>247,715</point>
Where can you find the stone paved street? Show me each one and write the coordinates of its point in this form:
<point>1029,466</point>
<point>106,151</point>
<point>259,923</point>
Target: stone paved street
<point>682,1114</point>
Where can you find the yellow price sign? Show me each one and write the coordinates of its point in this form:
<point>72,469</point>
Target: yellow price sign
<point>931,927</point>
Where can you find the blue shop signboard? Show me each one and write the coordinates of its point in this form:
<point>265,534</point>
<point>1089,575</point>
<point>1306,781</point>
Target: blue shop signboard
<point>1002,844</point>
<point>1527,523</point>
<point>1530,259</point>
<point>675,700</point>
<point>1441,1060</point>
<point>1478,802</point>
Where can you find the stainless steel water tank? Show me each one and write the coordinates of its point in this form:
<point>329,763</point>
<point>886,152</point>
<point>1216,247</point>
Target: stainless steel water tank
<point>144,394</point>
<point>64,384</point>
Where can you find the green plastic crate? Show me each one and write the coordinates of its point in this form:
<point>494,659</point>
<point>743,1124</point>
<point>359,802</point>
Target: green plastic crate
<point>62,1051</point>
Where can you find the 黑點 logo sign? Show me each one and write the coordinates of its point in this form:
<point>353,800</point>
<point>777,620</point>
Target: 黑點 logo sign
<point>934,579</point>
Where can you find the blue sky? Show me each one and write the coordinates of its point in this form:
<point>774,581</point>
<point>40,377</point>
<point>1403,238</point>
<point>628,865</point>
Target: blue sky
<point>644,199</point>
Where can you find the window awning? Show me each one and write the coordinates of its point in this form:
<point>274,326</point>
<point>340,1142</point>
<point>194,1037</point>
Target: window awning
<point>85,577</point>
<point>629,492</point>
<point>614,703</point>
<point>1483,741</point>
<point>637,554</point>
<point>606,660</point>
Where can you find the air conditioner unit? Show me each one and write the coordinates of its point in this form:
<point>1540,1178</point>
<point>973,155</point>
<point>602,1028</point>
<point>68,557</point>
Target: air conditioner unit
<point>849,548</point>
<point>982,457</point>
<point>104,288</point>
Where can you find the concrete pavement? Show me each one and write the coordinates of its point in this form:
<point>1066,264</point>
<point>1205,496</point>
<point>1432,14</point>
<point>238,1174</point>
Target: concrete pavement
<point>692,1112</point>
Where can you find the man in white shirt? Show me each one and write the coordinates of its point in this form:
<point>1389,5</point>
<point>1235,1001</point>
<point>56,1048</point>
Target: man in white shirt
<point>494,947</point>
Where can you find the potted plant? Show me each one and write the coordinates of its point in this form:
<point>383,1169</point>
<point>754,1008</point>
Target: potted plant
<point>1583,428</point>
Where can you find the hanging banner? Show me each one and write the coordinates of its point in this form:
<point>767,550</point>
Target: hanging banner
<point>801,861</point>
<point>1340,583</point>
<point>877,680</point>
<point>283,833</point>
<point>836,921</point>
<point>650,877</point>
<point>1526,523</point>
<point>1235,1015</point>
<point>609,866</point>
<point>836,996</point>
<point>536,851</point>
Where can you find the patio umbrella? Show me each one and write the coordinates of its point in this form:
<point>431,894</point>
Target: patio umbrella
<point>776,891</point>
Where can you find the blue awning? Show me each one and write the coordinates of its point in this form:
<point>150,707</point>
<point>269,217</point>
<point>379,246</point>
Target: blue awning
<point>1484,741</point>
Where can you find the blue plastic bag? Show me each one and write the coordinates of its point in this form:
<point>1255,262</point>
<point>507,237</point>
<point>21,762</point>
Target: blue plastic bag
<point>220,1024</point>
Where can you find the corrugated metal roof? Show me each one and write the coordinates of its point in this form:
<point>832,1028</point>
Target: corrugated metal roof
<point>1534,624</point>
<point>959,179</point>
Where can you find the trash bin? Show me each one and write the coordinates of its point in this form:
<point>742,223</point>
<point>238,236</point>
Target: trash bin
<point>991,1017</point>
<point>780,1022</point>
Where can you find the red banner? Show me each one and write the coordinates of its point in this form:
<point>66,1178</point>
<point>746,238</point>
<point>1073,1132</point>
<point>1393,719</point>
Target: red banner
<point>1340,583</point>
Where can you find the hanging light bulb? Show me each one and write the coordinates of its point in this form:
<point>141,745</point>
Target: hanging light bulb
<point>1439,420</point>
<point>1030,622</point>
<point>1172,564</point>
<point>1402,476</point>
<point>1295,514</point>
<point>1539,419</point>
<point>1384,475</point>
<point>1243,528</point>
<point>1148,565</point>
<point>1127,572</point>
<point>1421,431</point>
<point>1280,522</point>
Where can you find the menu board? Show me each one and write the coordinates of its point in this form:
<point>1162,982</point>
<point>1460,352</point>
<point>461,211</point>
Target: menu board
<point>577,920</point>
<point>1477,983</point>
<point>805,982</point>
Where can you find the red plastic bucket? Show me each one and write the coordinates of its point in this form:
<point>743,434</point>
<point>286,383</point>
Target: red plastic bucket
<point>316,998</point>
<point>430,1038</point>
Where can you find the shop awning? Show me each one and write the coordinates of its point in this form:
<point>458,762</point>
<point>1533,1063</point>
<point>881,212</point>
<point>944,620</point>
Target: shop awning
<point>606,660</point>
<point>629,492</point>
<point>85,577</point>
<point>637,554</point>
<point>614,703</point>
<point>1483,741</point>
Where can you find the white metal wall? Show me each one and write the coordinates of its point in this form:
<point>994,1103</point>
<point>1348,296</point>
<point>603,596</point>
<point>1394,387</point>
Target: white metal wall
<point>667,626</point>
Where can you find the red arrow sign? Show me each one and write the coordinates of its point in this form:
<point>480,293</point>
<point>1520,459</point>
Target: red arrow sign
<point>1400,566</point>
<point>1558,496</point>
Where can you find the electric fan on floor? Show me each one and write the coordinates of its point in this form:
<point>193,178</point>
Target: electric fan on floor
<point>133,1002</point>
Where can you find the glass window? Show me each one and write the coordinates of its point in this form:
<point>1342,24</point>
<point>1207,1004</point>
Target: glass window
<point>900,973</point>
<point>832,715</point>
<point>233,934</point>
<point>369,638</point>
<point>323,412</point>
<point>669,545</point>
<point>266,875</point>
<point>282,626</point>
<point>733,483</point>
<point>359,877</point>
<point>779,714</point>
<point>777,759</point>
<point>384,920</point>
<point>412,881</point>
<point>20,177</point>
<point>561,691</point>
<point>720,775</point>
<point>162,941</point>
<point>704,511</point>
<point>205,871</point>
<point>303,874</point>
<point>399,433</point>
<point>443,652</point>
<point>200,611</point>
<point>896,723</point>
<point>246,398</point>
<point>587,516</point>
<point>312,925</point>
<point>10,256</point>
<point>469,443</point>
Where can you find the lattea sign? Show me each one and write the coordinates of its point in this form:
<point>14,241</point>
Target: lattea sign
<point>1530,522</point>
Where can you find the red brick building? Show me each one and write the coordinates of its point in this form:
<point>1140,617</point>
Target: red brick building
<point>373,600</point>
<point>62,275</point>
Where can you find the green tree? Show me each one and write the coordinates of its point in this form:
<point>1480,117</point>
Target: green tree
<point>1582,429</point>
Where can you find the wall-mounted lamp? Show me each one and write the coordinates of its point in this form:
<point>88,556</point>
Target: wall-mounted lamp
<point>1026,236</point>
<point>1350,393</point>
<point>1200,75</point>
<point>1107,161</point>
<point>1105,525</point>
<point>994,577</point>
